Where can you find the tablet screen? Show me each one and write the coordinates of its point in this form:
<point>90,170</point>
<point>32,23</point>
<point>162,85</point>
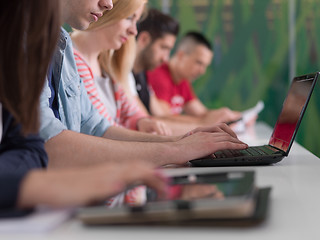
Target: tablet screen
<point>214,186</point>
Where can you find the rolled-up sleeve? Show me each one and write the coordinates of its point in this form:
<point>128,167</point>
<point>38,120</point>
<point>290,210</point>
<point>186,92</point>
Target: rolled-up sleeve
<point>19,154</point>
<point>50,126</point>
<point>9,185</point>
<point>76,112</point>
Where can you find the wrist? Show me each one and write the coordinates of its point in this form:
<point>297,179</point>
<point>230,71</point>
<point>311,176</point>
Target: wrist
<point>141,121</point>
<point>174,153</point>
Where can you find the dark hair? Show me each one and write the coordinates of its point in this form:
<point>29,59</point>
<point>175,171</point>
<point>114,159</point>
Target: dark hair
<point>30,32</point>
<point>157,24</point>
<point>198,38</point>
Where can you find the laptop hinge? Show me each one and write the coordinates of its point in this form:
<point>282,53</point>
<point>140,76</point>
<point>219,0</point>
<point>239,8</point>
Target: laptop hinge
<point>279,150</point>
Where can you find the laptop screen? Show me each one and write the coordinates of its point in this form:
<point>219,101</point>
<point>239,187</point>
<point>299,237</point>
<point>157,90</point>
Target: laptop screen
<point>292,111</point>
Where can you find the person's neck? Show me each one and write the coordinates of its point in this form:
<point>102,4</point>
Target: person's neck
<point>138,65</point>
<point>85,45</point>
<point>173,67</point>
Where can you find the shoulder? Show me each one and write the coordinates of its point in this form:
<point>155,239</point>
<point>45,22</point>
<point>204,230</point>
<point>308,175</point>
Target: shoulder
<point>67,53</point>
<point>159,75</point>
<point>162,70</point>
<point>186,86</point>
<point>80,62</point>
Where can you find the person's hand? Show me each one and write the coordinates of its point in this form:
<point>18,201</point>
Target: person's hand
<point>200,190</point>
<point>204,141</point>
<point>251,121</point>
<point>83,186</point>
<point>221,115</point>
<point>222,128</point>
<point>149,125</point>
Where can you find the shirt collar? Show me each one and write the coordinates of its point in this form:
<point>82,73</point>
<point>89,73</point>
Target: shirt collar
<point>64,37</point>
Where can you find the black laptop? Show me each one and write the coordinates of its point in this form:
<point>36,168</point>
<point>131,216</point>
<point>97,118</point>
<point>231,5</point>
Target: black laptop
<point>283,134</point>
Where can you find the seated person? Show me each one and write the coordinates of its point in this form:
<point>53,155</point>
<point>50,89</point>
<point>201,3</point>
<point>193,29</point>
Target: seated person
<point>172,81</point>
<point>76,134</point>
<point>24,182</point>
<point>156,37</point>
<point>105,84</point>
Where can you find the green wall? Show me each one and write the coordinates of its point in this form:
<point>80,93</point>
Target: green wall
<point>251,45</point>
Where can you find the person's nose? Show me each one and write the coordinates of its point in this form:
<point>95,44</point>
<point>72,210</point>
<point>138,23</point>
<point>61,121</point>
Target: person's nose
<point>133,29</point>
<point>106,4</point>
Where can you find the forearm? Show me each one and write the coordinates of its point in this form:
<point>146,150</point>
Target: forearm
<point>177,127</point>
<point>33,191</point>
<point>195,108</point>
<point>182,118</point>
<point>70,149</point>
<point>140,105</point>
<point>122,134</point>
<point>83,186</point>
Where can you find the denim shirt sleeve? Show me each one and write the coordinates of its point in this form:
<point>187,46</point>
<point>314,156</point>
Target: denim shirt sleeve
<point>75,109</point>
<point>92,122</point>
<point>50,126</point>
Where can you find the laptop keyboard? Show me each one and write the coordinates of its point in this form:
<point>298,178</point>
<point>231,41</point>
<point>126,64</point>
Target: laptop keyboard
<point>251,151</point>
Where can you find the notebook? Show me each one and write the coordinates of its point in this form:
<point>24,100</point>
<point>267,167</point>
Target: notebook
<point>283,135</point>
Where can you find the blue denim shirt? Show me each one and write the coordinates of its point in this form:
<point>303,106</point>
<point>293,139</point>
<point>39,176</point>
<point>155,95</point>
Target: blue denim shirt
<point>75,109</point>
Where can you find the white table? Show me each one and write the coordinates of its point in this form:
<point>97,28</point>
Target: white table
<point>293,213</point>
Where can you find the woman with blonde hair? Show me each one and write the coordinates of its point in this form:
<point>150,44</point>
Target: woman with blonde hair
<point>104,55</point>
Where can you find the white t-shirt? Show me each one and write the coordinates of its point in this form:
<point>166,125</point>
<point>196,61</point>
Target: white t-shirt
<point>132,84</point>
<point>1,124</point>
<point>105,90</point>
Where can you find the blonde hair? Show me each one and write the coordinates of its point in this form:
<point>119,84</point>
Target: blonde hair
<point>121,9</point>
<point>119,63</point>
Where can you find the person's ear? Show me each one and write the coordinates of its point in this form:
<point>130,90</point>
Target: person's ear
<point>144,39</point>
<point>180,54</point>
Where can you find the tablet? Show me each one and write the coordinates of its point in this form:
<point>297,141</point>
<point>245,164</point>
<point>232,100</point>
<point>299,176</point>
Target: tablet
<point>214,196</point>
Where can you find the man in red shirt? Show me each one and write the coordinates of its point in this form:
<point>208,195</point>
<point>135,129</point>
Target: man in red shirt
<point>174,95</point>
<point>171,82</point>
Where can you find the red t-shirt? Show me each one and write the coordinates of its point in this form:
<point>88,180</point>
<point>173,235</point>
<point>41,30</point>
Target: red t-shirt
<point>176,95</point>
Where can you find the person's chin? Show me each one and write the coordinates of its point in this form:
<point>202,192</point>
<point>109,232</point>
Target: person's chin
<point>117,46</point>
<point>83,25</point>
<point>158,64</point>
<point>194,78</point>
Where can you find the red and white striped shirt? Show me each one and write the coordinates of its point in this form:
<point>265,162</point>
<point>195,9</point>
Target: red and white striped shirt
<point>127,115</point>
<point>127,112</point>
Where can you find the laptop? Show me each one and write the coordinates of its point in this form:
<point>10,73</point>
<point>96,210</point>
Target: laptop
<point>283,135</point>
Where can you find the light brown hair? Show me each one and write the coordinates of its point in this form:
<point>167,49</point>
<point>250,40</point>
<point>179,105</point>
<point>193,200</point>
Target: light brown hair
<point>30,29</point>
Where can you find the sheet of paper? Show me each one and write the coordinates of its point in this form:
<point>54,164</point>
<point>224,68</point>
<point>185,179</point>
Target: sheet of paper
<point>41,221</point>
<point>247,116</point>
